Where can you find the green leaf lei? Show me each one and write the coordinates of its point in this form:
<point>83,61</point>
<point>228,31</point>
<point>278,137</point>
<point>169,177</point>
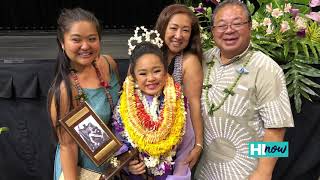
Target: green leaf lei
<point>228,91</point>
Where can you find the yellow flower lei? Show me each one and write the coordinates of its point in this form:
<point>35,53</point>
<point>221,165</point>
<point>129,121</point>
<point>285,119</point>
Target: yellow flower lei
<point>154,142</point>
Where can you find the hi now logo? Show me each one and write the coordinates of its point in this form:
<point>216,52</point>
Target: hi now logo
<point>268,149</point>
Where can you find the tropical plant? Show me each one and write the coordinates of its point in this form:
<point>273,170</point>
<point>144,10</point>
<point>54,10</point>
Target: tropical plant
<point>285,31</point>
<point>3,129</point>
<point>204,16</point>
<point>282,30</point>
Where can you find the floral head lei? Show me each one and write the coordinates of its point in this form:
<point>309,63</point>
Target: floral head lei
<point>141,34</point>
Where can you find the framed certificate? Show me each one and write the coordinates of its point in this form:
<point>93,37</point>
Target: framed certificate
<point>91,134</point>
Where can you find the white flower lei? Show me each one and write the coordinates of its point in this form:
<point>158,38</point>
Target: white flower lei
<point>152,109</point>
<point>156,165</point>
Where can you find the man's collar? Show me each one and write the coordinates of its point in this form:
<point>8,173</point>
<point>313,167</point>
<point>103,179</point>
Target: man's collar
<point>235,58</point>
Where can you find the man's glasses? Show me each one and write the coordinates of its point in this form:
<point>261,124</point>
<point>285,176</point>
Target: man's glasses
<point>234,26</point>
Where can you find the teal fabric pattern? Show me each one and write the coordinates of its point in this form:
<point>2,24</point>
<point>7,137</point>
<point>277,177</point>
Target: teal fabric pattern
<point>98,101</point>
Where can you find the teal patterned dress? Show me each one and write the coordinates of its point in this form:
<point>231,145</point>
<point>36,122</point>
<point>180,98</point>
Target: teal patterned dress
<point>98,100</point>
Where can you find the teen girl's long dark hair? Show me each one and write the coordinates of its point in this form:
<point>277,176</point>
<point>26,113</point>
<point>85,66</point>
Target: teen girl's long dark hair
<point>62,68</point>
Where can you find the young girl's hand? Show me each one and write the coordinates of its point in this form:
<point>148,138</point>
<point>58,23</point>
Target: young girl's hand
<point>137,167</point>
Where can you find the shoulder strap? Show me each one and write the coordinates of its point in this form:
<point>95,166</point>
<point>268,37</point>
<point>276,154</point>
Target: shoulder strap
<point>107,60</point>
<point>115,70</point>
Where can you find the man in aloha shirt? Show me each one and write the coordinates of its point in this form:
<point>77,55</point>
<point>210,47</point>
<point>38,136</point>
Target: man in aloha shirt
<point>244,99</point>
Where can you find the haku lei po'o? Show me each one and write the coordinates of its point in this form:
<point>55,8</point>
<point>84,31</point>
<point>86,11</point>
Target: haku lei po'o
<point>160,141</point>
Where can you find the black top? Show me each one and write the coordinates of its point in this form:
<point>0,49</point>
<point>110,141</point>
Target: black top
<point>171,66</point>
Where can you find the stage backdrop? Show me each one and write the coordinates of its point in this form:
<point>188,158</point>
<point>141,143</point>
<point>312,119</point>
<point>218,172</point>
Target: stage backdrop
<point>113,14</point>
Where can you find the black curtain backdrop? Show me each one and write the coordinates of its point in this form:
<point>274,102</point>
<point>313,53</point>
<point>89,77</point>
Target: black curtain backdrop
<point>303,162</point>
<point>27,149</point>
<point>113,14</point>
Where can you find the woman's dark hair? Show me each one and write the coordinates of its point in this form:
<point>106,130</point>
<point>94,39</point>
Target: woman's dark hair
<point>146,48</point>
<point>194,45</point>
<point>69,16</point>
<point>62,68</point>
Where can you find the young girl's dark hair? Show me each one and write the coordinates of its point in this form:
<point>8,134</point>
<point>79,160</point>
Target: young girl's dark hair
<point>62,68</point>
<point>142,49</point>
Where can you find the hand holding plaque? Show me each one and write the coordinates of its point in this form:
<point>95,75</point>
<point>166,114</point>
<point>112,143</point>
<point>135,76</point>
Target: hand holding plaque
<point>95,139</point>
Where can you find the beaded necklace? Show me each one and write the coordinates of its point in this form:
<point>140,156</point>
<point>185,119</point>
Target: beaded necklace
<point>227,91</point>
<point>82,96</point>
<point>177,71</point>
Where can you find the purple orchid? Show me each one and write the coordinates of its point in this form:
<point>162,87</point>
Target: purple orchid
<point>294,12</point>
<point>314,16</point>
<point>117,126</point>
<point>314,3</point>
<point>199,9</point>
<point>167,167</point>
<point>301,33</point>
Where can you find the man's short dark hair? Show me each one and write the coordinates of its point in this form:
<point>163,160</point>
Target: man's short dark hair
<point>231,3</point>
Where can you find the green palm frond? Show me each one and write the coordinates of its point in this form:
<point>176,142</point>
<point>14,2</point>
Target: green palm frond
<point>298,82</point>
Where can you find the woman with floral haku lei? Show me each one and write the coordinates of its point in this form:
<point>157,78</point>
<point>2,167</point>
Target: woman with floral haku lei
<point>151,114</point>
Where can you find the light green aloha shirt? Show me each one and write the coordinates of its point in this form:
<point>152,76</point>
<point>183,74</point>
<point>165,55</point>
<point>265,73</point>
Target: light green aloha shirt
<point>260,101</point>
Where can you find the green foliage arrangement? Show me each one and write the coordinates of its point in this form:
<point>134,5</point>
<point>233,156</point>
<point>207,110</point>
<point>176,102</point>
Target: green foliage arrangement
<point>286,31</point>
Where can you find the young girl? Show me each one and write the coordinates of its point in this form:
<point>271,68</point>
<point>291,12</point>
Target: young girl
<point>82,74</point>
<point>151,116</point>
